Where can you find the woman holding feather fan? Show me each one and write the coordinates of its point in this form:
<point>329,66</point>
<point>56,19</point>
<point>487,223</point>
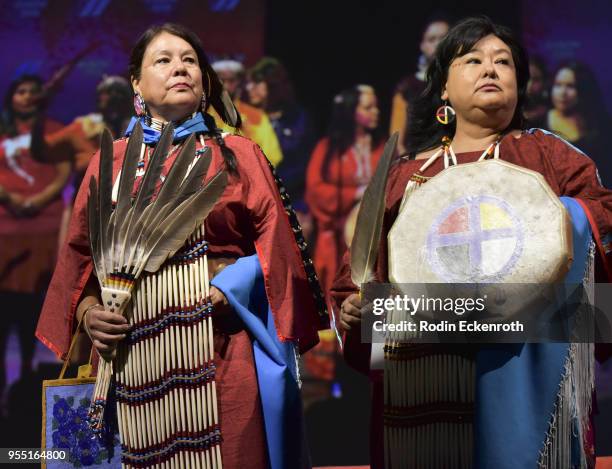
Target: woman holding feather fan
<point>206,361</point>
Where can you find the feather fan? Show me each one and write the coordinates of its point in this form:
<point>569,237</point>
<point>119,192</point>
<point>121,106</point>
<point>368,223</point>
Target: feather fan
<point>141,233</point>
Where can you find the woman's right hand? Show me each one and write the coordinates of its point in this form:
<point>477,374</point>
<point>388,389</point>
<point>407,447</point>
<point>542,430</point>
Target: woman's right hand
<point>4,196</point>
<point>105,329</point>
<point>350,313</point>
<point>15,203</point>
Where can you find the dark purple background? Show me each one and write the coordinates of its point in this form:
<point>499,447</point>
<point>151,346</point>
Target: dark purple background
<point>333,45</point>
<point>558,30</point>
<point>39,36</point>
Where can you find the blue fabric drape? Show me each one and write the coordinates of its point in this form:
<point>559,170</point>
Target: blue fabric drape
<point>517,384</point>
<point>243,285</point>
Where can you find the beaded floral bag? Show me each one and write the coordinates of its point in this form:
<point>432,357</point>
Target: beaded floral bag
<point>65,429</point>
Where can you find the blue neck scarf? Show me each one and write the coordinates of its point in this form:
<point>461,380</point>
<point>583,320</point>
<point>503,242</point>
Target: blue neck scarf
<point>181,132</point>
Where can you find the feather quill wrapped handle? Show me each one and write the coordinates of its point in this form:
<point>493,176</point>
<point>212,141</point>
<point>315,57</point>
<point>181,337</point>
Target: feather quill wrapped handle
<point>364,247</point>
<point>141,233</point>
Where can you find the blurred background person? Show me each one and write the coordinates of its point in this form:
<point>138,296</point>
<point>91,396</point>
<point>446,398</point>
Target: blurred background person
<point>270,89</point>
<point>339,171</point>
<point>579,114</point>
<point>79,140</point>
<point>538,101</point>
<point>31,208</point>
<point>255,123</point>
<point>411,86</point>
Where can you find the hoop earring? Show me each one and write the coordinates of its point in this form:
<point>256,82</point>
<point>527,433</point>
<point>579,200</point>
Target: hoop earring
<point>445,114</point>
<point>140,106</point>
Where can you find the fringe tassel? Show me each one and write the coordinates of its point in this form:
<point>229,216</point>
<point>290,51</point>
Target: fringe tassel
<point>572,410</point>
<point>419,389</point>
<point>574,399</point>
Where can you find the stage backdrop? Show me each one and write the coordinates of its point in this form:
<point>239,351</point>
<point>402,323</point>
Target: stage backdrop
<point>39,36</point>
<point>559,30</point>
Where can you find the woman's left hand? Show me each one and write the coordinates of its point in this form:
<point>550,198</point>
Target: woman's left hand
<point>225,318</point>
<point>218,299</point>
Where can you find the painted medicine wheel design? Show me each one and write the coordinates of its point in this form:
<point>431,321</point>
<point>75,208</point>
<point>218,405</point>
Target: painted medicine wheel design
<point>476,239</point>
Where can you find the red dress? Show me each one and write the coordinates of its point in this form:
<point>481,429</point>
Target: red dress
<point>331,197</point>
<point>29,244</point>
<point>566,170</point>
<point>249,218</point>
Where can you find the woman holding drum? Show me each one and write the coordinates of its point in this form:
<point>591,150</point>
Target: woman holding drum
<point>468,406</point>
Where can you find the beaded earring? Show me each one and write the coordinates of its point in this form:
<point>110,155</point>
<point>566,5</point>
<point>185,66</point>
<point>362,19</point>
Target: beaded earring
<point>139,105</point>
<point>445,114</point>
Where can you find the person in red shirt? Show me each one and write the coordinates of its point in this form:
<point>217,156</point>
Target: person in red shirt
<point>31,207</point>
<point>339,170</point>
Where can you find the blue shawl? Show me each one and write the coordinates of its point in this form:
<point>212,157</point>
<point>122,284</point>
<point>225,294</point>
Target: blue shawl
<point>517,384</point>
<point>243,285</point>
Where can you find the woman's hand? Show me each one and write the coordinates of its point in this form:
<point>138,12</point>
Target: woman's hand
<point>350,313</point>
<point>219,302</point>
<point>105,329</point>
<point>20,205</point>
<point>225,318</point>
<point>16,203</point>
<point>4,196</point>
<point>31,206</point>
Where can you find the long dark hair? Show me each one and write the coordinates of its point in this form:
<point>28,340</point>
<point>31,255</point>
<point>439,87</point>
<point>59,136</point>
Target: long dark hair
<point>7,121</point>
<point>424,131</point>
<point>590,98</point>
<point>342,129</point>
<point>280,90</point>
<point>213,88</point>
